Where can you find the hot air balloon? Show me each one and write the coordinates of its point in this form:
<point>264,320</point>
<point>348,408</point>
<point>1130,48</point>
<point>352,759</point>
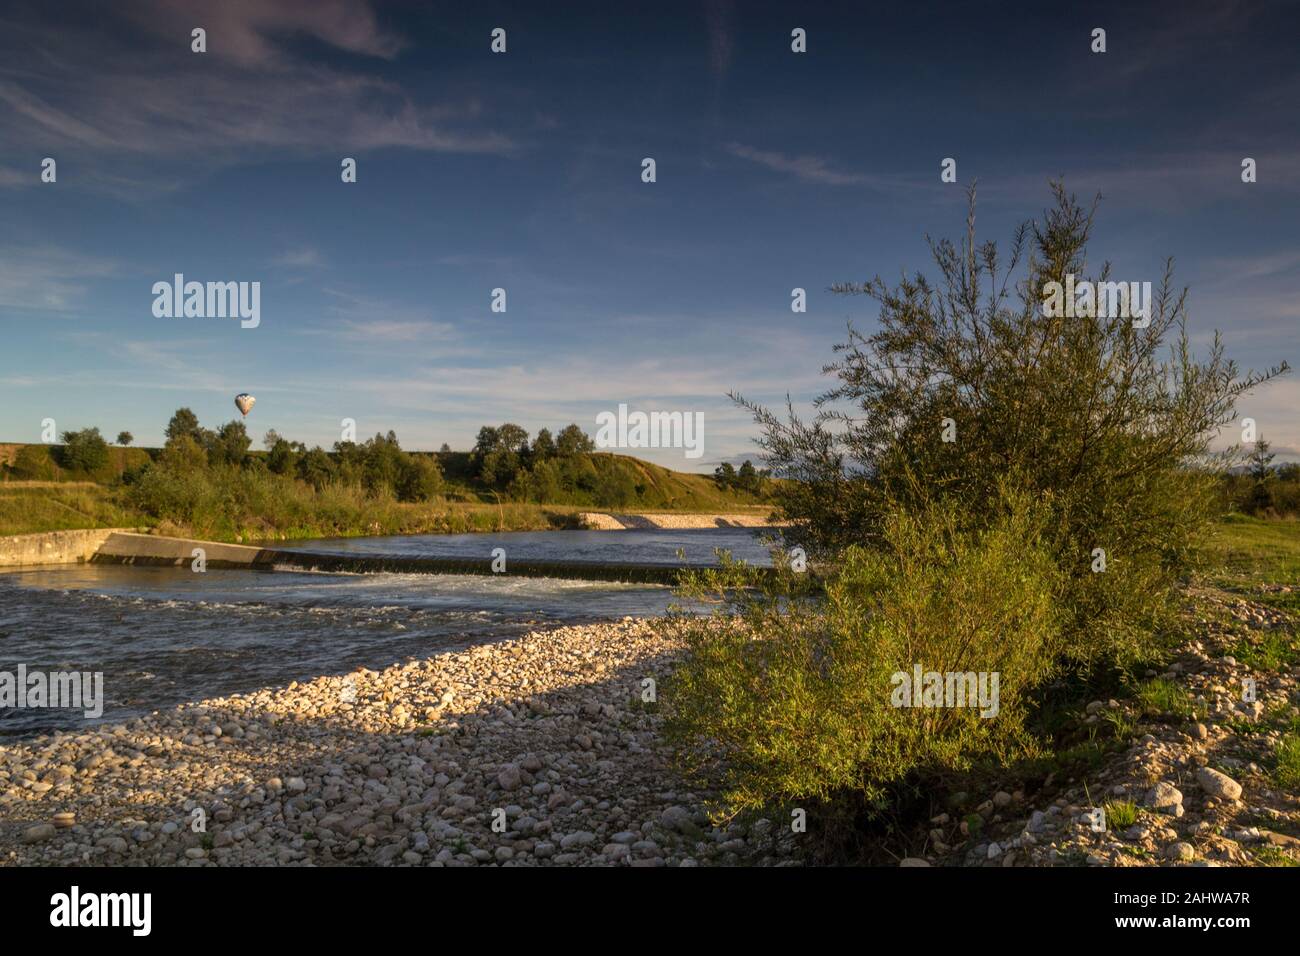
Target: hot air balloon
<point>244,402</point>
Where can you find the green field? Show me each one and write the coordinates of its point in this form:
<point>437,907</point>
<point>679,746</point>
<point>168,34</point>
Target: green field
<point>1245,549</point>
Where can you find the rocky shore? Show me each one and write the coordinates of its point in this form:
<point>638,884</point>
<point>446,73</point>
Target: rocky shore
<point>536,751</point>
<point>1189,781</point>
<point>544,751</point>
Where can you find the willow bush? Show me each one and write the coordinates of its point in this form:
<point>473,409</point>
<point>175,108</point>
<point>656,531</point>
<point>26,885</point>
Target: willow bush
<point>787,692</point>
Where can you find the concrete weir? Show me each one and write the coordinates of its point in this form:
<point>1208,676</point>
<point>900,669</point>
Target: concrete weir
<point>52,547</point>
<point>129,548</point>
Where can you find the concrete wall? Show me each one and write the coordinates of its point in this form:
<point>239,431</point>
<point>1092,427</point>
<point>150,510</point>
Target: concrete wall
<point>52,547</point>
<point>125,547</point>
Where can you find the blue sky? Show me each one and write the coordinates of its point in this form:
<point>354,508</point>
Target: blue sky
<point>522,171</point>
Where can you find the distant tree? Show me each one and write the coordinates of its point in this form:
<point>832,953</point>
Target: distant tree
<point>183,454</point>
<point>419,478</point>
<point>316,468</point>
<point>229,445</point>
<point>125,438</point>
<point>543,445</point>
<point>383,462</point>
<point>445,448</point>
<point>499,454</point>
<point>1261,461</point>
<point>1262,476</point>
<point>512,438</point>
<point>486,441</point>
<point>724,476</point>
<point>750,479</point>
<point>572,440</point>
<point>282,457</point>
<point>270,438</point>
<point>84,450</point>
<point>184,422</point>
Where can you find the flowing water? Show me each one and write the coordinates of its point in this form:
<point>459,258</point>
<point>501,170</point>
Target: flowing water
<point>162,636</point>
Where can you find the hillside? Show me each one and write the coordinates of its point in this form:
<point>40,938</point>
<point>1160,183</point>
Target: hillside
<point>37,494</point>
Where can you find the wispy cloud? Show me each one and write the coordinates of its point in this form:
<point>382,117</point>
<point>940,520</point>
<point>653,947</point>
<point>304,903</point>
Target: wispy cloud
<point>306,258</point>
<point>47,278</point>
<point>251,95</point>
<point>245,30</point>
<point>810,169</point>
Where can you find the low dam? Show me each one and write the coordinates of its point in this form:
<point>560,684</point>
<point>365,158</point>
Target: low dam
<point>120,547</point>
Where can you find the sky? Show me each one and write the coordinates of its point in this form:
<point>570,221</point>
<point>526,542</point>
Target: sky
<point>522,171</point>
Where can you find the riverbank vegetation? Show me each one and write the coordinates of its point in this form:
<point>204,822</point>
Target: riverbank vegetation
<point>212,483</point>
<point>985,490</point>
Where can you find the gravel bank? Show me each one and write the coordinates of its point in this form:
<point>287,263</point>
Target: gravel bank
<point>536,751</point>
<point>609,521</point>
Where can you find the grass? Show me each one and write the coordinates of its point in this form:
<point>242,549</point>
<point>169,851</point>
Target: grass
<point>1271,651</point>
<point>1163,698</point>
<point>1120,814</point>
<point>27,508</point>
<point>1286,761</point>
<point>1246,551</point>
<point>1274,856</point>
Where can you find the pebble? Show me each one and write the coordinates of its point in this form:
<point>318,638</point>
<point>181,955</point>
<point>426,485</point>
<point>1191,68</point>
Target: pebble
<point>1218,784</point>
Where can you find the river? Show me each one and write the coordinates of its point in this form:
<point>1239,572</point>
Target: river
<point>163,636</point>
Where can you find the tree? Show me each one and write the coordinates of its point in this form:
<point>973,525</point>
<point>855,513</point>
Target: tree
<point>1262,477</point>
<point>183,455</point>
<point>420,478</point>
<point>316,468</point>
<point>499,454</point>
<point>724,476</point>
<point>572,440</point>
<point>748,478</point>
<point>382,463</point>
<point>125,438</point>
<point>970,384</point>
<point>183,422</point>
<point>445,449</point>
<point>229,445</point>
<point>270,438</point>
<point>282,457</point>
<point>543,445</point>
<point>512,438</point>
<point>84,450</point>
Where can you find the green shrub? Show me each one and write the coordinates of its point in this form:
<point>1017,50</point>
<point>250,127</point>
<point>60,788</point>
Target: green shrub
<point>84,451</point>
<point>34,463</point>
<point>969,379</point>
<point>793,698</point>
